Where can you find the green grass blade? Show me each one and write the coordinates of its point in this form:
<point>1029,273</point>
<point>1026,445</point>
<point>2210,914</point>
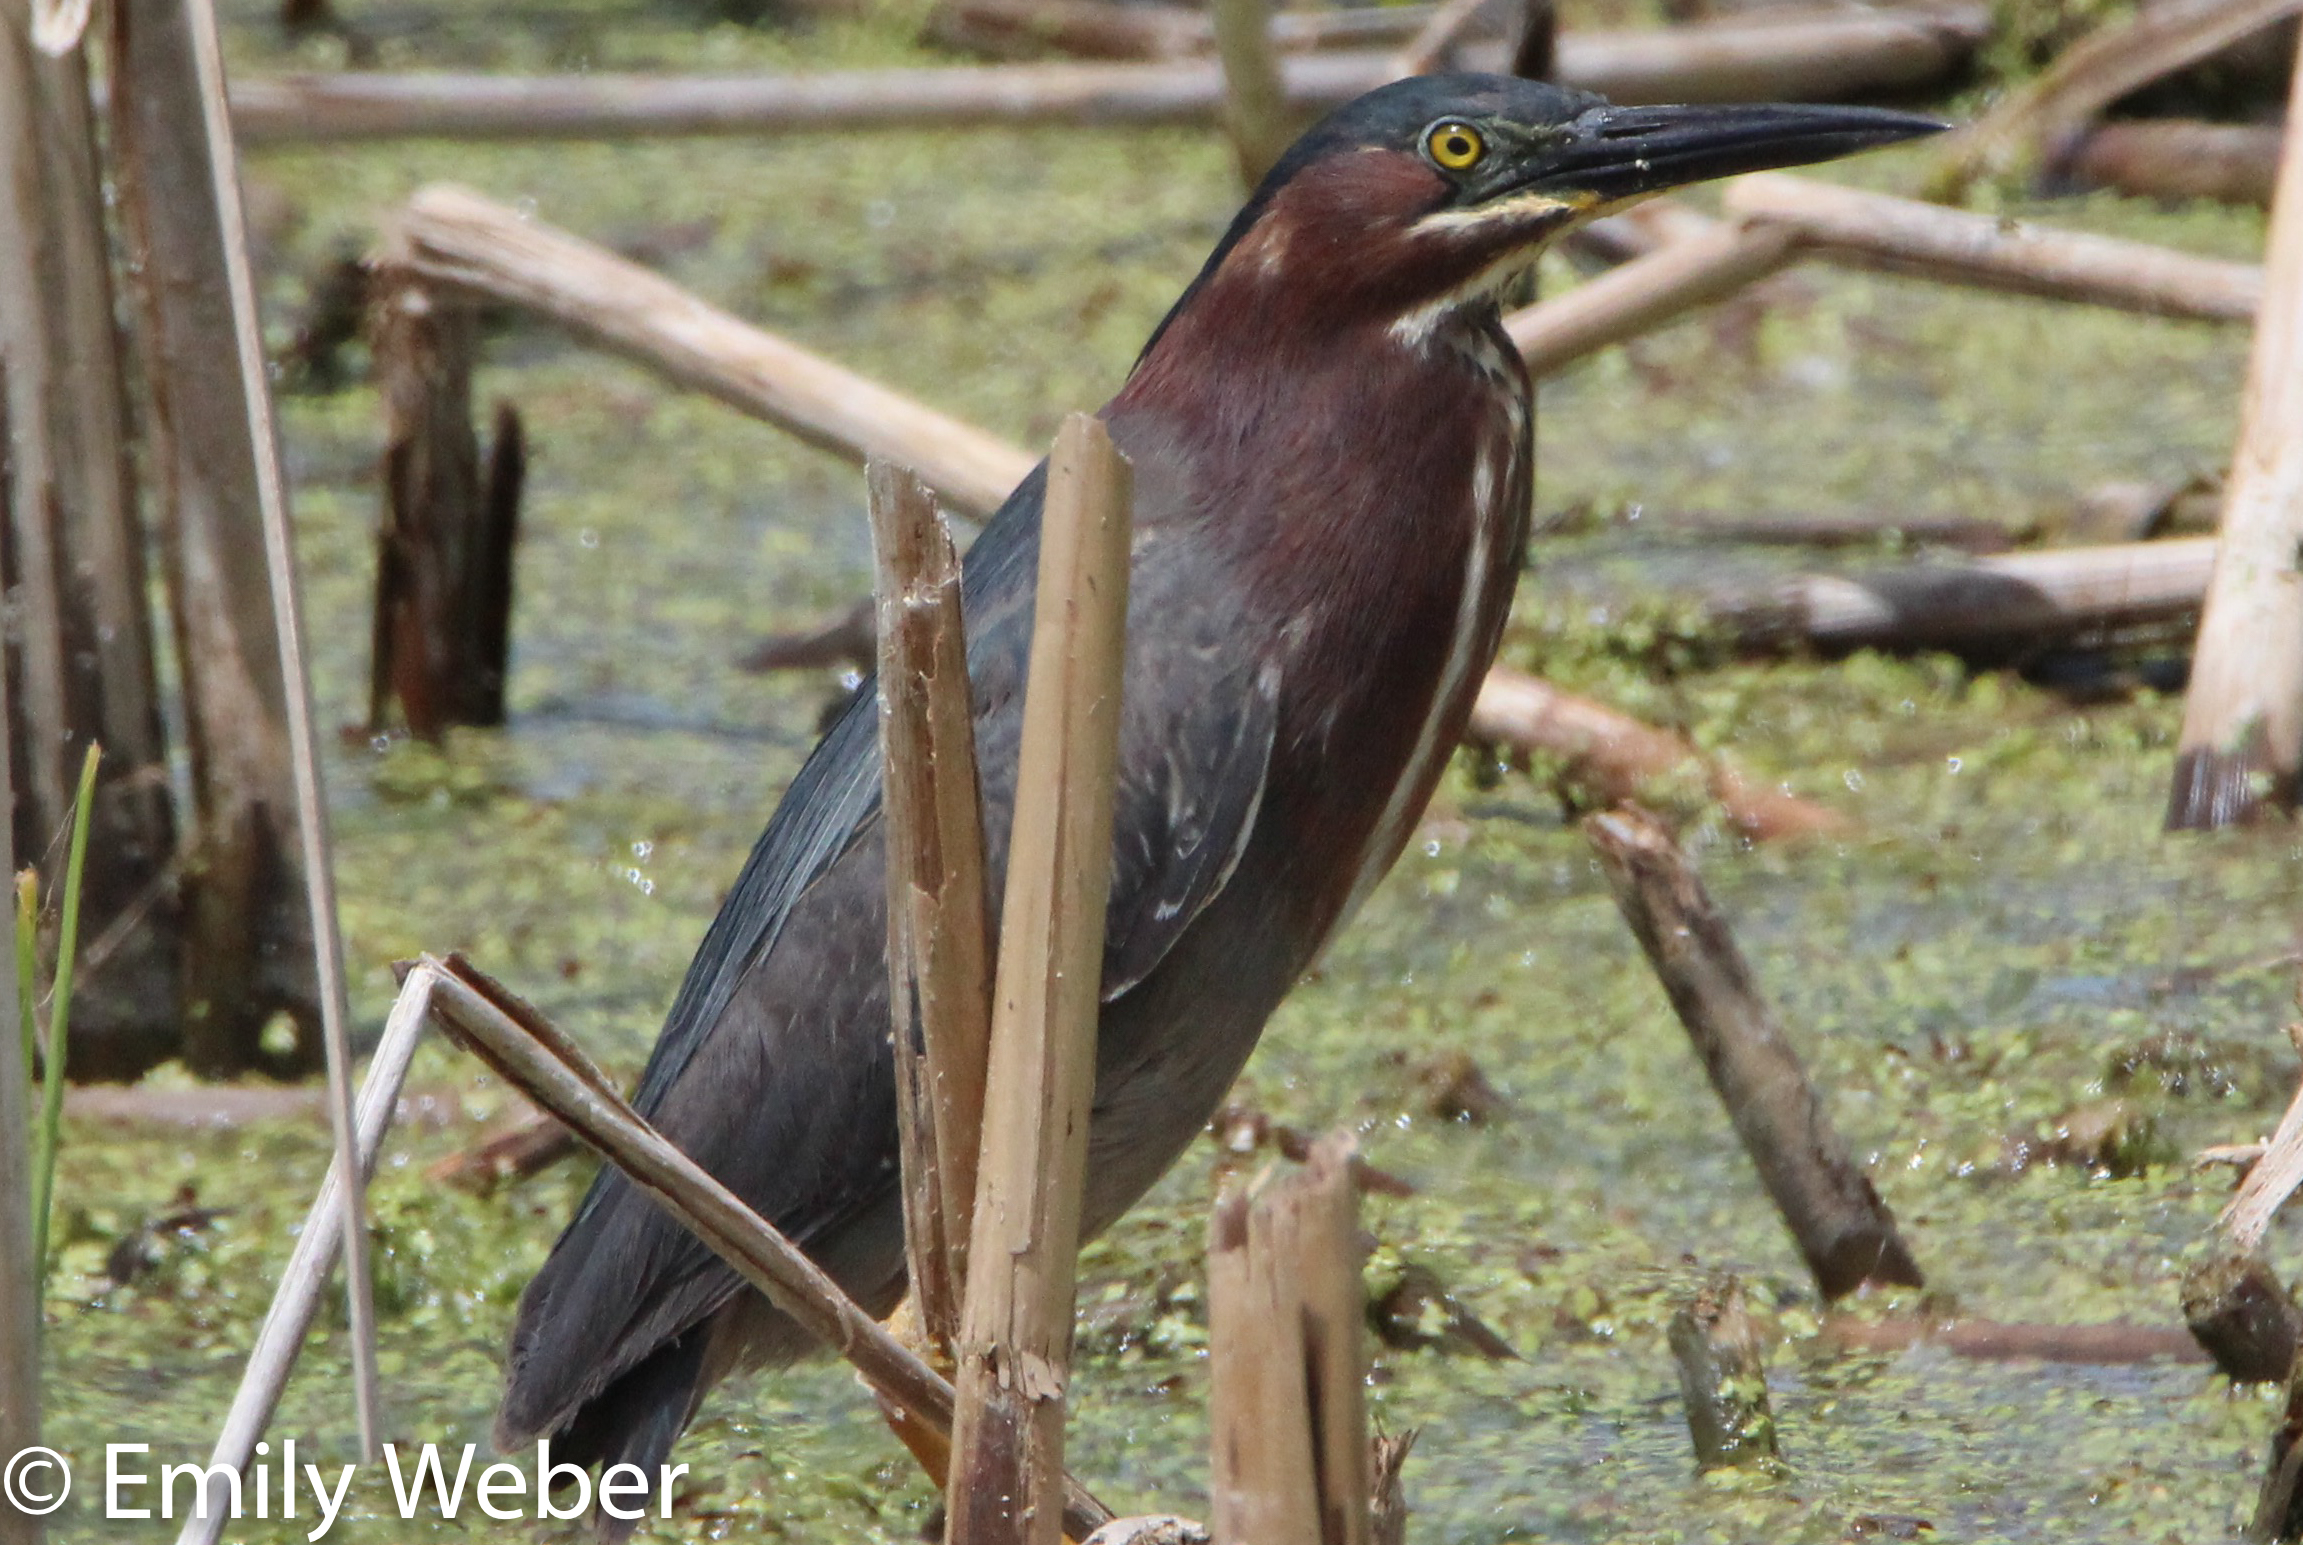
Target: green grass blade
<point>60,1014</point>
<point>28,964</point>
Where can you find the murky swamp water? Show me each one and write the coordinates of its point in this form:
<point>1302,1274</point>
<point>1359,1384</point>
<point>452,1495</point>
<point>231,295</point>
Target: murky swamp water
<point>2003,938</point>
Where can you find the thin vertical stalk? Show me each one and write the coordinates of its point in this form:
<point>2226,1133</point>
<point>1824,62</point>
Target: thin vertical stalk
<point>939,948</point>
<point>1016,1327</point>
<point>303,742</point>
<point>20,1288</point>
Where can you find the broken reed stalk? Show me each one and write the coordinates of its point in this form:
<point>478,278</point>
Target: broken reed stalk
<point>455,237</point>
<point>450,517</point>
<point>21,1269</point>
<point>1959,247</point>
<point>1256,114</point>
<point>304,1280</point>
<point>1014,1351</point>
<point>535,1057</point>
<point>2279,1505</point>
<point>2242,1315</point>
<point>939,922</point>
<point>1723,1378</point>
<point>1844,1230</point>
<point>2240,752</point>
<point>80,641</point>
<point>2172,158</point>
<point>249,642</point>
<point>1287,1360</point>
<point>2032,123</point>
<point>1613,756</point>
<point>1820,55</point>
<point>2233,1301</point>
<point>1647,292</point>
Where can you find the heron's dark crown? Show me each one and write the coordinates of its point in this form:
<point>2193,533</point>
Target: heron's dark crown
<point>1432,189</point>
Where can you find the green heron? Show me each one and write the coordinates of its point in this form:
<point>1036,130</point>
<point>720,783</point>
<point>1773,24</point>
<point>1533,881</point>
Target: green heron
<point>1330,435</point>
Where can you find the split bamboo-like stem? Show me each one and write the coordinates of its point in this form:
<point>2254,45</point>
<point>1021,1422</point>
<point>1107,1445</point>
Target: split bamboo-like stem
<point>1957,246</point>
<point>939,945</point>
<point>2034,122</point>
<point>1256,112</point>
<point>1843,1229</point>
<point>1614,756</point>
<point>1016,1328</point>
<point>304,1280</point>
<point>256,753</point>
<point>535,1057</point>
<point>2240,753</point>
<point>1809,56</point>
<point>2173,158</point>
<point>1287,1403</point>
<point>1648,291</point>
<point>458,238</point>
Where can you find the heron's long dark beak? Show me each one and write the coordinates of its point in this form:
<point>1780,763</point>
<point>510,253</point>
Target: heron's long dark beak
<point>1623,152</point>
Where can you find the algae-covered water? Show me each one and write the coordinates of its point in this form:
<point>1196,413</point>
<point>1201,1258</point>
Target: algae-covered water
<point>2002,938</point>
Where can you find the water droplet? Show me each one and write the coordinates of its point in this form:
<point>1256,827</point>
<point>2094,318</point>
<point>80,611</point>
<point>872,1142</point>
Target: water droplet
<point>879,214</point>
<point>1952,763</point>
<point>1853,780</point>
<point>524,206</point>
<point>588,538</point>
<point>642,849</point>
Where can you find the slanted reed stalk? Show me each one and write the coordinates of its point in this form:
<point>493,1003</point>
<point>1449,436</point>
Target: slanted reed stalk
<point>59,1017</point>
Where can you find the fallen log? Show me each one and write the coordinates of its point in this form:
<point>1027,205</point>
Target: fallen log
<point>2036,121</point>
<point>2174,158</point>
<point>1641,295</point>
<point>1614,757</point>
<point>1987,609</point>
<point>1844,1231</point>
<point>2240,754</point>
<point>450,236</point>
<point>1997,1341</point>
<point>1906,236</point>
<point>1816,57</point>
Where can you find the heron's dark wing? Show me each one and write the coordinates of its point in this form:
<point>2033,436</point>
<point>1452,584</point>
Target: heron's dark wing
<point>1197,719</point>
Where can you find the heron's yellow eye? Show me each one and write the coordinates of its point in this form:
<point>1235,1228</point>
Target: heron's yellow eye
<point>1455,146</point>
